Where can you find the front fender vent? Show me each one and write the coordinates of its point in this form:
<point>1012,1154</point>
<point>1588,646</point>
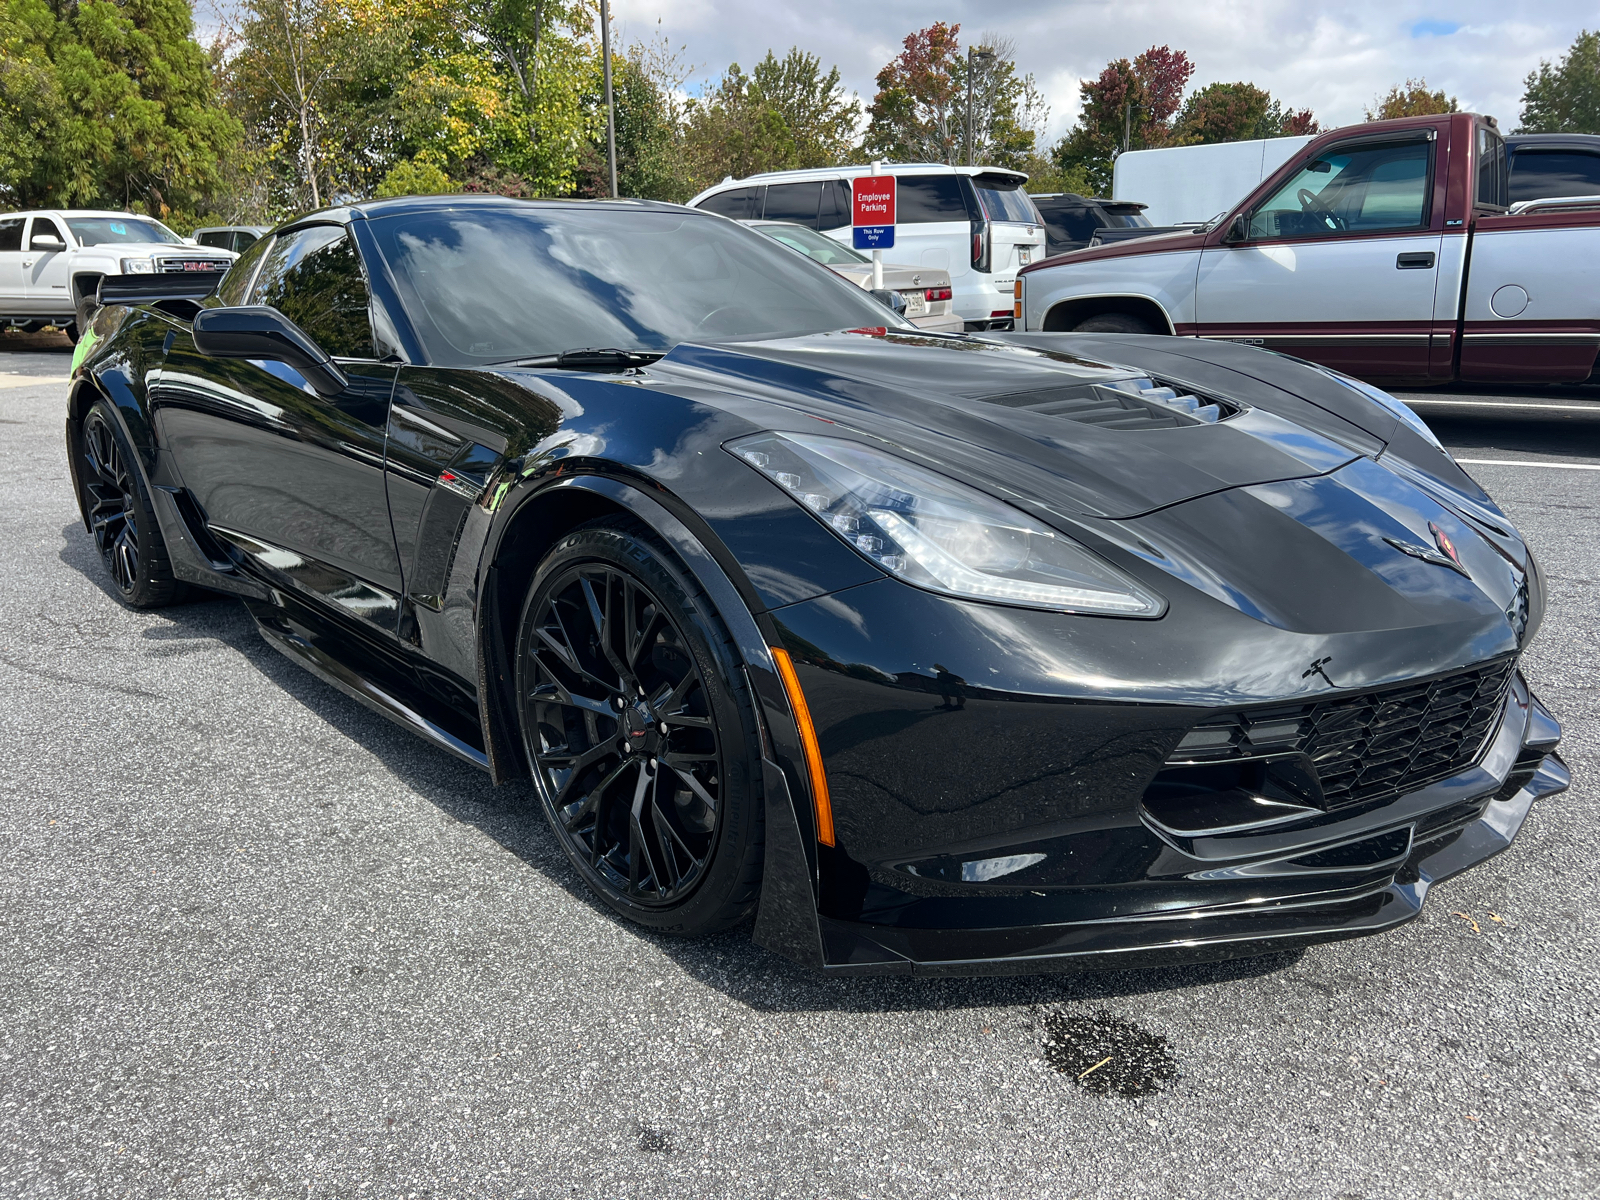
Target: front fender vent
<point>1140,403</point>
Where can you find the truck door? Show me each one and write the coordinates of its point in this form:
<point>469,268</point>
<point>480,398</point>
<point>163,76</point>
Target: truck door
<point>44,272</point>
<point>11,265</point>
<point>1339,265</point>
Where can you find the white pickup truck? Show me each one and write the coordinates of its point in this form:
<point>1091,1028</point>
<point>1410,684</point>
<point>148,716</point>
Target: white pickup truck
<point>1385,250</point>
<point>52,261</point>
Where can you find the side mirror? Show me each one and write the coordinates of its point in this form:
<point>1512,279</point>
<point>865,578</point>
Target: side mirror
<point>46,241</point>
<point>890,299</point>
<point>259,331</point>
<point>1238,229</point>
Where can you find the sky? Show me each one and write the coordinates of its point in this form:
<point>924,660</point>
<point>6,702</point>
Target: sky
<point>1333,59</point>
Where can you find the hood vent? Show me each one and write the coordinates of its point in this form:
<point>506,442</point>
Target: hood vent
<point>1121,404</point>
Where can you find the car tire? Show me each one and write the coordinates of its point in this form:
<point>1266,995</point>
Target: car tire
<point>1113,322</point>
<point>640,731</point>
<point>115,500</point>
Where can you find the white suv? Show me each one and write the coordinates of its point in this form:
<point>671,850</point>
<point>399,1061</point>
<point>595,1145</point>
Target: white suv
<point>51,262</point>
<point>974,222</point>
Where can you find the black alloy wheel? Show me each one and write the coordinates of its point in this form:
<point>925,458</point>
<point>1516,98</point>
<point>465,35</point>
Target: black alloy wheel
<point>116,508</point>
<point>641,732</point>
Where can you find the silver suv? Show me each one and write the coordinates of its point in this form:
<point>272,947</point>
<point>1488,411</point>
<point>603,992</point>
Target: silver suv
<point>974,222</point>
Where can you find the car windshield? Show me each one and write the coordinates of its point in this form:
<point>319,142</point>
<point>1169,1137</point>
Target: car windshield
<point>500,283</point>
<point>98,231</point>
<point>1004,200</point>
<point>812,244</point>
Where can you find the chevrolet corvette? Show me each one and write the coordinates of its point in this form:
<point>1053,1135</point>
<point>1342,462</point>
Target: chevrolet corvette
<point>931,653</point>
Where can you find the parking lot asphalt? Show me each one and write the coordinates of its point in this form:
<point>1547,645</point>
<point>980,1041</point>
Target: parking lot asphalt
<point>256,941</point>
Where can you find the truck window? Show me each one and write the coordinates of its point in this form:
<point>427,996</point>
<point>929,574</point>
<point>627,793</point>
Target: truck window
<point>217,239</point>
<point>1359,189</point>
<point>795,202</point>
<point>738,203</point>
<point>1544,174</point>
<point>924,199</point>
<point>1491,168</point>
<point>11,232</point>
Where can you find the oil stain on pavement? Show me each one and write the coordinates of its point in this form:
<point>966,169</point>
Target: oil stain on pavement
<point>1104,1054</point>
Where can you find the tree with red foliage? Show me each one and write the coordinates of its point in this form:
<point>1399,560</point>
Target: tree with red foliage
<point>1127,108</point>
<point>916,113</point>
<point>1237,112</point>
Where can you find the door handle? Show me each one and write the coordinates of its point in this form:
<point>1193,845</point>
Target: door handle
<point>1421,260</point>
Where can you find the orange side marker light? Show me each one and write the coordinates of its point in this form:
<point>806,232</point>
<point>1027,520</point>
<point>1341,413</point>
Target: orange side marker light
<point>808,743</point>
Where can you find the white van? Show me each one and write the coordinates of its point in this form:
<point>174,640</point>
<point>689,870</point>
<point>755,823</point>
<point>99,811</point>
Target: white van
<point>974,222</point>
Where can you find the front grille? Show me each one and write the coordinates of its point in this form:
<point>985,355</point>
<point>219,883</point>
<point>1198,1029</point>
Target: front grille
<point>1369,746</point>
<point>180,265</point>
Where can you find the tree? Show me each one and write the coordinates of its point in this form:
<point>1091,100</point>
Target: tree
<point>785,114</point>
<point>915,114</point>
<point>647,79</point>
<point>1127,107</point>
<point>108,103</point>
<point>1413,99</point>
<point>1565,98</point>
<point>920,110</point>
<point>1236,112</point>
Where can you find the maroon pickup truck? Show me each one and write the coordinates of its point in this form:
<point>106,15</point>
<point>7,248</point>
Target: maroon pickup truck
<point>1384,250</point>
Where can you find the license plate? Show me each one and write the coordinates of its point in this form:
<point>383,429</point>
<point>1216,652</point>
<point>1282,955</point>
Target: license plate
<point>1024,255</point>
<point>916,303</point>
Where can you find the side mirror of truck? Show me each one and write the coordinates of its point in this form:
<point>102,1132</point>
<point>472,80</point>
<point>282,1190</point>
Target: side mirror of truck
<point>259,331</point>
<point>46,241</point>
<point>1238,229</point>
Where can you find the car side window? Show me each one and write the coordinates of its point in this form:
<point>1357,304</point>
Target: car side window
<point>925,199</point>
<point>11,232</point>
<point>1544,174</point>
<point>835,210</point>
<point>216,238</point>
<point>1355,189</point>
<point>795,202</point>
<point>313,276</point>
<point>236,283</point>
<point>738,203</point>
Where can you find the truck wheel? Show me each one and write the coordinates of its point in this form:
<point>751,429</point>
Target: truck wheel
<point>1113,322</point>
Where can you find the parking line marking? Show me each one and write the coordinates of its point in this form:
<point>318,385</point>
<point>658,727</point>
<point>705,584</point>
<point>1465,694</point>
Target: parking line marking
<point>1589,408</point>
<point>1527,462</point>
<point>8,380</point>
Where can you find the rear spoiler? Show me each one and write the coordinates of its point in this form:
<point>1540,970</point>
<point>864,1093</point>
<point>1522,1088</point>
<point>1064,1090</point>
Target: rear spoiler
<point>148,289</point>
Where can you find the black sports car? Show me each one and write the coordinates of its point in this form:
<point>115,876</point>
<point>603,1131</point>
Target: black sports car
<point>937,653</point>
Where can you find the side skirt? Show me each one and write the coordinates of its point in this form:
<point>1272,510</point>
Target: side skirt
<point>297,633</point>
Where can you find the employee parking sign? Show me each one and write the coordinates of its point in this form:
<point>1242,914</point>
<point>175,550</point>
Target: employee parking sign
<point>872,212</point>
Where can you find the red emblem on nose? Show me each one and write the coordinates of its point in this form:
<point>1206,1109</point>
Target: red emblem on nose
<point>1447,548</point>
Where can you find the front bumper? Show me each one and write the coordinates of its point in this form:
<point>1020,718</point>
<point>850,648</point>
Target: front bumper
<point>1344,878</point>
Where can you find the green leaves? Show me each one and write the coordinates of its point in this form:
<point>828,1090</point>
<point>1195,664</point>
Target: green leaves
<point>1565,98</point>
<point>108,104</point>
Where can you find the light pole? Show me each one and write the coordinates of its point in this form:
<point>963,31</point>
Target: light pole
<point>611,123</point>
<point>974,54</point>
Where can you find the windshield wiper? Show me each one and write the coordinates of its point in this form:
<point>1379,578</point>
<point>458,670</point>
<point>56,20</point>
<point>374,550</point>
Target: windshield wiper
<point>590,358</point>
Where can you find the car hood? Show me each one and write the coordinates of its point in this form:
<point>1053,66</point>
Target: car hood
<point>158,249</point>
<point>1003,416</point>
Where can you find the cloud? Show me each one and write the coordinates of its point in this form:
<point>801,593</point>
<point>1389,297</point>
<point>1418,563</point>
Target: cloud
<point>1334,59</point>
